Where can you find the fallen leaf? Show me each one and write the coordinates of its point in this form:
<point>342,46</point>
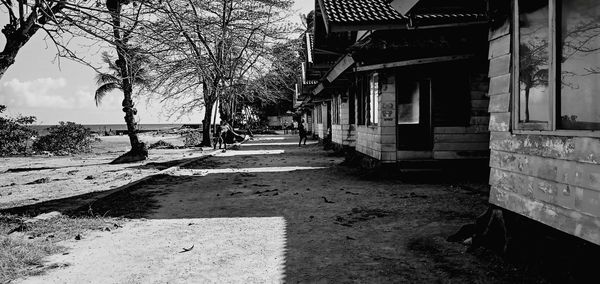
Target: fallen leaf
<point>187,249</point>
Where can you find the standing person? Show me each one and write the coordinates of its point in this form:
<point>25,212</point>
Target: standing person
<point>285,127</point>
<point>294,126</point>
<point>302,133</point>
<point>222,134</point>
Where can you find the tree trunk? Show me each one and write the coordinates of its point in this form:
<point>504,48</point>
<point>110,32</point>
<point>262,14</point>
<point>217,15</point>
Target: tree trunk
<point>15,40</point>
<point>206,122</point>
<point>7,56</point>
<point>138,151</point>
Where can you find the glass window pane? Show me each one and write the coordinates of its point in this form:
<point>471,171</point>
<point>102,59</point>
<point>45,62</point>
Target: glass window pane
<point>580,65</point>
<point>533,61</point>
<point>374,100</point>
<point>408,104</point>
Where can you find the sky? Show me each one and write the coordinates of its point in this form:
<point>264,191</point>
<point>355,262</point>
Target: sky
<point>61,90</point>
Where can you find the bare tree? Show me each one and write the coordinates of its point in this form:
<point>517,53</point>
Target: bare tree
<point>209,50</point>
<point>25,19</point>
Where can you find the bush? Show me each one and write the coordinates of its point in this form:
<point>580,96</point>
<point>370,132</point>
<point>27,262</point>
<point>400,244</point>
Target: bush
<point>192,138</point>
<point>65,138</point>
<point>14,133</point>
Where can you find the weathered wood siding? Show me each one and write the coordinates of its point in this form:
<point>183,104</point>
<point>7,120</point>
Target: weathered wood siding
<point>379,141</point>
<point>551,179</point>
<point>467,142</point>
<point>343,133</point>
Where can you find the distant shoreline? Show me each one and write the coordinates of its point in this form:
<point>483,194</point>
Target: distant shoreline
<point>115,128</point>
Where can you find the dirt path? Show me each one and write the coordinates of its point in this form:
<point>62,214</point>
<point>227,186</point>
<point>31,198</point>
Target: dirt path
<point>276,212</point>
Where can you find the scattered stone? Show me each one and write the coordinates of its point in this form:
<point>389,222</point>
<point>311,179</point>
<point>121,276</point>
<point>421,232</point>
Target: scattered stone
<point>89,177</point>
<point>352,193</point>
<point>78,237</point>
<point>72,172</point>
<point>234,193</point>
<point>350,238</point>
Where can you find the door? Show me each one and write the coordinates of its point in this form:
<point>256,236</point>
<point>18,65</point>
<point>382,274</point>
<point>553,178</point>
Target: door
<point>413,109</point>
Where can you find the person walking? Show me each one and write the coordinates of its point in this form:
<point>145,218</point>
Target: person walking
<point>302,133</point>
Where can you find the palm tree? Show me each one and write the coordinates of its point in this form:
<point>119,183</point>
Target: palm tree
<point>116,80</point>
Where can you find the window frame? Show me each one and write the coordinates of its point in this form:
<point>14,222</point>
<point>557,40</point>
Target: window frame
<point>373,99</point>
<point>549,127</point>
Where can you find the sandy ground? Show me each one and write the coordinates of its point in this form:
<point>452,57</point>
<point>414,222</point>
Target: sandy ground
<point>30,180</point>
<point>271,213</point>
<point>152,252</point>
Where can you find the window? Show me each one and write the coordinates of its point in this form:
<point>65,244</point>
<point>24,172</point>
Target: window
<point>579,68</point>
<point>319,114</point>
<point>335,111</point>
<point>361,100</point>
<point>374,99</point>
<point>408,103</point>
<point>558,85</point>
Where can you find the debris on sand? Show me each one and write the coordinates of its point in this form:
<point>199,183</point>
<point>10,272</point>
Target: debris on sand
<point>161,144</point>
<point>41,180</point>
<point>361,214</point>
<point>89,177</point>
<point>43,217</point>
<point>414,195</point>
<point>234,193</point>
<point>78,237</point>
<point>187,249</point>
<point>326,201</point>
<point>72,172</point>
<point>261,193</point>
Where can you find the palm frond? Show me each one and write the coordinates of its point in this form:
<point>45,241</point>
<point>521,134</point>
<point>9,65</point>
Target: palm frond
<point>103,78</point>
<point>103,90</point>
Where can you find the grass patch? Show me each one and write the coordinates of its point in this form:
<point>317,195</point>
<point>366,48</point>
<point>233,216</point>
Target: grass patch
<point>24,246</point>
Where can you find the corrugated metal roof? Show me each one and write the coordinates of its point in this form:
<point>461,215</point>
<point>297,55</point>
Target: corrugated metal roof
<point>380,11</point>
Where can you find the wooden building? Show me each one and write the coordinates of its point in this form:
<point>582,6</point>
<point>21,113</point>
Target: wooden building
<point>513,83</point>
<point>409,83</point>
<point>545,112</point>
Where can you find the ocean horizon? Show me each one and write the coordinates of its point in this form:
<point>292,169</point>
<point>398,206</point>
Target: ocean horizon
<point>101,128</point>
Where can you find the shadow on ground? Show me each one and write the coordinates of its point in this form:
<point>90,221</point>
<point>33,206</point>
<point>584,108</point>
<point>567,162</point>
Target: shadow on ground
<point>339,227</point>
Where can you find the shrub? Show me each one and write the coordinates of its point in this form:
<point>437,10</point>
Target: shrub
<point>65,138</point>
<point>192,138</point>
<point>14,133</point>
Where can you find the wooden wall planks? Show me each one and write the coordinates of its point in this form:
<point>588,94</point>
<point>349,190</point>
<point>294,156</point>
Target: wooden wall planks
<point>566,220</point>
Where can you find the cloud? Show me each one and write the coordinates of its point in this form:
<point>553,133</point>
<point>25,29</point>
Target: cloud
<point>48,93</point>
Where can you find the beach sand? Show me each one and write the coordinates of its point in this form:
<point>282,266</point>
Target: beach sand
<point>34,179</point>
